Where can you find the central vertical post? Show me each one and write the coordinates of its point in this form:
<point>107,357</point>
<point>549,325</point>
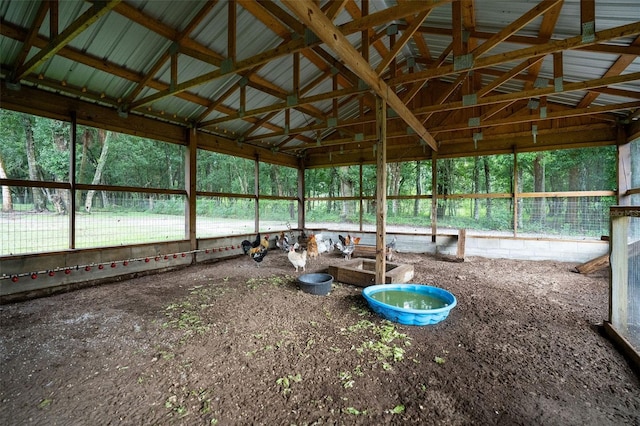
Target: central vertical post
<point>381,189</point>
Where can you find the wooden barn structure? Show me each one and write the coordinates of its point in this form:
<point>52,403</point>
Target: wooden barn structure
<point>312,84</point>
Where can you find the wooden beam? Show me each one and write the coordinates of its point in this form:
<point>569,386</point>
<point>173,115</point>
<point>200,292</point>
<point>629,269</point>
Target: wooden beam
<point>54,18</point>
<point>231,30</point>
<point>333,8</point>
<point>515,26</point>
<point>614,49</point>
<point>616,68</point>
<point>535,118</point>
<point>27,44</point>
<point>569,87</point>
<point>513,72</point>
<point>95,12</point>
<point>381,189</point>
<point>389,14</point>
<point>312,16</point>
<point>522,54</point>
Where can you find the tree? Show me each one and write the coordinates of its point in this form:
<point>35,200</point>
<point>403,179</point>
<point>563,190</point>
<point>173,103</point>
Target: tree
<point>7,201</point>
<point>103,135</point>
<point>395,182</point>
<point>37,193</point>
<point>416,203</point>
<point>346,190</point>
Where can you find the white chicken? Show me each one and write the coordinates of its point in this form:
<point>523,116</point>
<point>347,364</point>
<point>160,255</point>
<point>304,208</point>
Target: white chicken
<point>299,260</point>
<point>323,244</point>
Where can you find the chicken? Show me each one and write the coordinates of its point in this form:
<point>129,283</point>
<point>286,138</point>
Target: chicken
<point>347,245</point>
<point>392,244</point>
<point>323,245</point>
<point>312,247</point>
<point>248,245</point>
<point>259,252</point>
<point>283,242</point>
<point>299,260</point>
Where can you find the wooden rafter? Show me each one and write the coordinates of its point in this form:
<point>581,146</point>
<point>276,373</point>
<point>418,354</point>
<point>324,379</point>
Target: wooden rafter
<point>32,34</point>
<point>516,25</point>
<point>533,93</point>
<point>522,54</point>
<point>617,68</point>
<point>95,12</point>
<point>312,16</point>
<point>399,44</point>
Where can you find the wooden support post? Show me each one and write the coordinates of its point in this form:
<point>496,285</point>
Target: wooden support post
<point>619,258</point>
<point>256,180</point>
<point>72,179</point>
<point>515,192</point>
<point>301,201</point>
<point>190,186</point>
<point>624,168</point>
<point>361,200</point>
<point>381,189</point>
<point>434,197</point>
<point>462,237</point>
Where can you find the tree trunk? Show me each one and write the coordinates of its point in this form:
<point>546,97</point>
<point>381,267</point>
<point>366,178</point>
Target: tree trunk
<point>444,185</point>
<point>7,201</point>
<point>487,182</point>
<point>539,212</point>
<point>519,189</point>
<point>416,203</point>
<point>103,135</point>
<point>37,193</point>
<point>61,198</point>
<point>476,189</point>
<point>86,140</point>
<point>395,182</point>
<point>346,190</point>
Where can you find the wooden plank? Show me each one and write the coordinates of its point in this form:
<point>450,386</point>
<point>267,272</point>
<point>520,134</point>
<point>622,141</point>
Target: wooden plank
<point>360,272</point>
<point>619,258</point>
<point>462,237</point>
<point>593,265</point>
<point>362,250</point>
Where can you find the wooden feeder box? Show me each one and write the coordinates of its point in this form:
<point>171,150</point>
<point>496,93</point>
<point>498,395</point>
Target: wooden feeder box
<point>362,272</point>
<point>370,251</point>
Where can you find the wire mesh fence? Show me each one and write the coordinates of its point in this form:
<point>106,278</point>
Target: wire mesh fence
<point>26,230</point>
<point>625,274</point>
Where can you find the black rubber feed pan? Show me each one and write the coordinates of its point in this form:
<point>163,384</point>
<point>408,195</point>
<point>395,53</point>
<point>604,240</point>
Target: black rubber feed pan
<point>319,284</point>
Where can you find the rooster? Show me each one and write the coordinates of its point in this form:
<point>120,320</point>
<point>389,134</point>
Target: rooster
<point>347,245</point>
<point>248,245</point>
<point>259,251</point>
<point>299,260</point>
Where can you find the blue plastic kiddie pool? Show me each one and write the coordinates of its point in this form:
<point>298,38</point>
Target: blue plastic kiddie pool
<point>410,304</point>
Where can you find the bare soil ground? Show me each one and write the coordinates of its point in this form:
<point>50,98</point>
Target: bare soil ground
<point>231,343</point>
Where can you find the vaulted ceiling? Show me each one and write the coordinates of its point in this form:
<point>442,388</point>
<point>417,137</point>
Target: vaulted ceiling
<point>299,78</point>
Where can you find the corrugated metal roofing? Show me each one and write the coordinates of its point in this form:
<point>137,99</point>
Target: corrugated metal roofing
<point>106,61</point>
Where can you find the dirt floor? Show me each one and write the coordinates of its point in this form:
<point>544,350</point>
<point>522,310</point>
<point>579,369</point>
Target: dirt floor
<point>231,343</point>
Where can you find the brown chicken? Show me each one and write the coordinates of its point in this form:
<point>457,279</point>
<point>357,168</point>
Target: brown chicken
<point>312,247</point>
